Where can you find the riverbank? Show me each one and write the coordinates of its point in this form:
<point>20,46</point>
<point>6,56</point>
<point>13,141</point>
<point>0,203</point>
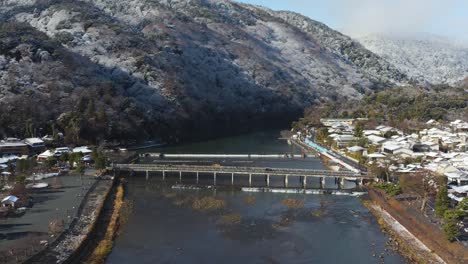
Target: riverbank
<point>265,227</point>
<point>104,247</point>
<point>419,240</point>
<point>71,241</point>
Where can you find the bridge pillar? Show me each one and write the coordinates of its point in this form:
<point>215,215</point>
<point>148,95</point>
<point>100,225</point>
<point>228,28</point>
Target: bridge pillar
<point>322,182</point>
<point>304,182</point>
<point>197,177</point>
<point>214,178</point>
<point>180,176</point>
<point>164,175</point>
<point>250,179</point>
<point>268,180</point>
<point>286,181</point>
<point>359,182</point>
<point>341,183</point>
<point>232,178</point>
<point>147,175</point>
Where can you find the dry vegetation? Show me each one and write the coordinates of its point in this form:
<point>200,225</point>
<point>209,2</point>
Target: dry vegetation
<point>293,203</point>
<point>317,213</point>
<point>250,200</point>
<point>230,219</point>
<point>105,246</point>
<point>208,204</point>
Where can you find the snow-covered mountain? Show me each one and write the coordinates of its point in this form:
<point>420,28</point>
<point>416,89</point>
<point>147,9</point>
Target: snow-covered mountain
<point>423,57</point>
<point>160,68</point>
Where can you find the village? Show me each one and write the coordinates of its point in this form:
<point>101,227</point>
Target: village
<point>43,188</point>
<point>26,164</point>
<point>435,154</point>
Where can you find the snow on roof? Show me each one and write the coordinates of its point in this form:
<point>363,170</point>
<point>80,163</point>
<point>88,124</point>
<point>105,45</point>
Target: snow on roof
<point>392,147</point>
<point>82,149</point>
<point>46,154</point>
<point>376,155</point>
<point>455,175</point>
<point>34,141</point>
<point>10,198</point>
<point>453,197</point>
<point>355,148</point>
<point>460,189</point>
<point>12,144</point>
<point>376,139</point>
<point>371,132</point>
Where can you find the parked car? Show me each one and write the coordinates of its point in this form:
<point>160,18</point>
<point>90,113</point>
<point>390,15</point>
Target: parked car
<point>87,158</point>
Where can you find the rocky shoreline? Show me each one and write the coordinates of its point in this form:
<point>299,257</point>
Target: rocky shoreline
<point>71,240</point>
<point>419,240</point>
<point>403,240</point>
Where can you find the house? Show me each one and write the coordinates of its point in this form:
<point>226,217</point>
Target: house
<point>45,155</point>
<point>84,149</point>
<point>9,201</point>
<point>371,132</point>
<point>404,153</point>
<point>460,177</point>
<point>329,122</point>
<point>36,145</point>
<point>458,193</point>
<point>376,140</point>
<point>344,140</point>
<point>356,149</point>
<point>59,151</point>
<point>432,122</point>
<point>426,146</point>
<point>459,126</point>
<point>13,146</point>
<point>376,156</point>
<point>390,147</point>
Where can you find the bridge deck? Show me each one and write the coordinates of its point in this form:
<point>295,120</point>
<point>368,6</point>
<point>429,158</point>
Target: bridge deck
<point>241,170</point>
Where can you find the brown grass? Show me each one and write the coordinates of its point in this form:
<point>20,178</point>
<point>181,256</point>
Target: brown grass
<point>105,246</point>
<point>208,204</point>
<point>293,203</point>
<point>429,233</point>
<point>183,201</point>
<point>317,213</point>
<point>230,219</point>
<point>250,200</point>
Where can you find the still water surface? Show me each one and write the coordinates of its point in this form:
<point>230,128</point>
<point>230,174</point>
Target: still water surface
<point>165,227</point>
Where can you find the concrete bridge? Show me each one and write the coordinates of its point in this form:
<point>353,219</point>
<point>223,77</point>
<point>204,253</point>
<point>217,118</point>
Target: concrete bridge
<point>237,173</point>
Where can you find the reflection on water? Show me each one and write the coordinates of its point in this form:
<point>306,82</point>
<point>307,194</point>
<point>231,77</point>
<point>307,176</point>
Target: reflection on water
<point>263,142</point>
<point>213,226</point>
<point>230,226</point>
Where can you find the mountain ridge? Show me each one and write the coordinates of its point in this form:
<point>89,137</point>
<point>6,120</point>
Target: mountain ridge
<point>424,57</point>
<point>179,68</point>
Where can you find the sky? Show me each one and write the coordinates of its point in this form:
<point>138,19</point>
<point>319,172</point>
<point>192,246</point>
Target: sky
<point>447,18</point>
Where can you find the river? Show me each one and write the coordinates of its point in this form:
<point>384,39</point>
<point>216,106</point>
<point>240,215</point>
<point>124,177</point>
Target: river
<point>229,226</point>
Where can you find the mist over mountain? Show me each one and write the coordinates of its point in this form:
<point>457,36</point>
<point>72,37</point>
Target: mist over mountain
<point>424,57</point>
<point>110,69</point>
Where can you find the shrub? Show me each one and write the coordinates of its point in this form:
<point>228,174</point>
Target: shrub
<point>389,188</point>
<point>450,227</point>
<point>230,219</point>
<point>208,204</point>
<point>105,246</point>
<point>293,203</point>
<point>441,203</point>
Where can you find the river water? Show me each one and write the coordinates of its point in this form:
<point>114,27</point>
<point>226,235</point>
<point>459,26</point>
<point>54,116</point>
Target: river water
<point>169,225</point>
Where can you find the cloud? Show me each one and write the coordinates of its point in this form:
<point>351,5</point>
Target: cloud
<point>356,17</point>
<point>391,16</point>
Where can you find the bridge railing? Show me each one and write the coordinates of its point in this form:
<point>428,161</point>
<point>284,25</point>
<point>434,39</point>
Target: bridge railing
<point>237,169</point>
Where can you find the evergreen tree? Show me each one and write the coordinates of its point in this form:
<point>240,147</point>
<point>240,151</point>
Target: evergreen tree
<point>441,203</point>
<point>450,227</point>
